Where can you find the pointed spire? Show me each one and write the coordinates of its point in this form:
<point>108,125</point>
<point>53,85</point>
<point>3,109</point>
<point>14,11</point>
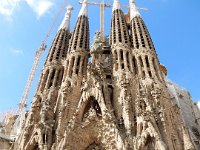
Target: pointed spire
<point>116,5</point>
<point>84,10</point>
<point>133,9</point>
<point>66,21</point>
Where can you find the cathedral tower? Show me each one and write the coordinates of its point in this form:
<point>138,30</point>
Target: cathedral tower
<point>122,68</point>
<point>38,130</point>
<point>145,61</point>
<point>75,72</point>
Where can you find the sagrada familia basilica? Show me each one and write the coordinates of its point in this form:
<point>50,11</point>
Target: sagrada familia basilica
<point>111,95</point>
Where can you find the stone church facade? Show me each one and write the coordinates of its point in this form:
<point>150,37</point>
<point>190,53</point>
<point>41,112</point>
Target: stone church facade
<point>110,96</point>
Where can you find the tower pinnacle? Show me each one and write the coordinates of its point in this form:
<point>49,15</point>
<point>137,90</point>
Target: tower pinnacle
<point>133,9</point>
<point>83,11</point>
<point>66,21</point>
<point>116,5</point>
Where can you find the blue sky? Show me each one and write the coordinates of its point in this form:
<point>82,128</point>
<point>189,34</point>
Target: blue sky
<point>174,26</point>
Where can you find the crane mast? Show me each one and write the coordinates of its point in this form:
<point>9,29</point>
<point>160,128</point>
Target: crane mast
<point>102,18</point>
<point>31,76</point>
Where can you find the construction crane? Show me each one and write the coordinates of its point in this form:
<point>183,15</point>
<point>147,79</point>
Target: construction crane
<point>42,48</point>
<point>102,7</point>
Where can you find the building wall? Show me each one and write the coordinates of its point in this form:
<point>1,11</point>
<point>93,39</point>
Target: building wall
<point>188,109</point>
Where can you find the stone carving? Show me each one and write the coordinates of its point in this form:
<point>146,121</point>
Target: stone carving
<point>67,88</point>
<point>97,45</point>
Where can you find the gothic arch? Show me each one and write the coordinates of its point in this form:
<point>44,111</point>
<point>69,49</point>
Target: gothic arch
<point>92,104</point>
<point>150,143</point>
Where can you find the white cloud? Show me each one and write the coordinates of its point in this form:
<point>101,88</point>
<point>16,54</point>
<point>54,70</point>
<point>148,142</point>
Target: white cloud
<point>7,7</point>
<point>40,7</point>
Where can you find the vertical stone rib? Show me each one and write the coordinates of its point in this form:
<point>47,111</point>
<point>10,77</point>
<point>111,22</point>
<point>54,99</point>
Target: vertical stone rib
<point>75,65</point>
<point>119,59</point>
<point>125,61</point>
<point>81,66</point>
<point>139,66</point>
<point>145,67</point>
<point>49,79</point>
<point>131,64</point>
<point>56,78</point>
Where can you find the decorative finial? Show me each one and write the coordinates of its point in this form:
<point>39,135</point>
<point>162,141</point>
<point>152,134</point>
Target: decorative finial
<point>133,9</point>
<point>116,5</point>
<point>84,11</point>
<point>66,21</point>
